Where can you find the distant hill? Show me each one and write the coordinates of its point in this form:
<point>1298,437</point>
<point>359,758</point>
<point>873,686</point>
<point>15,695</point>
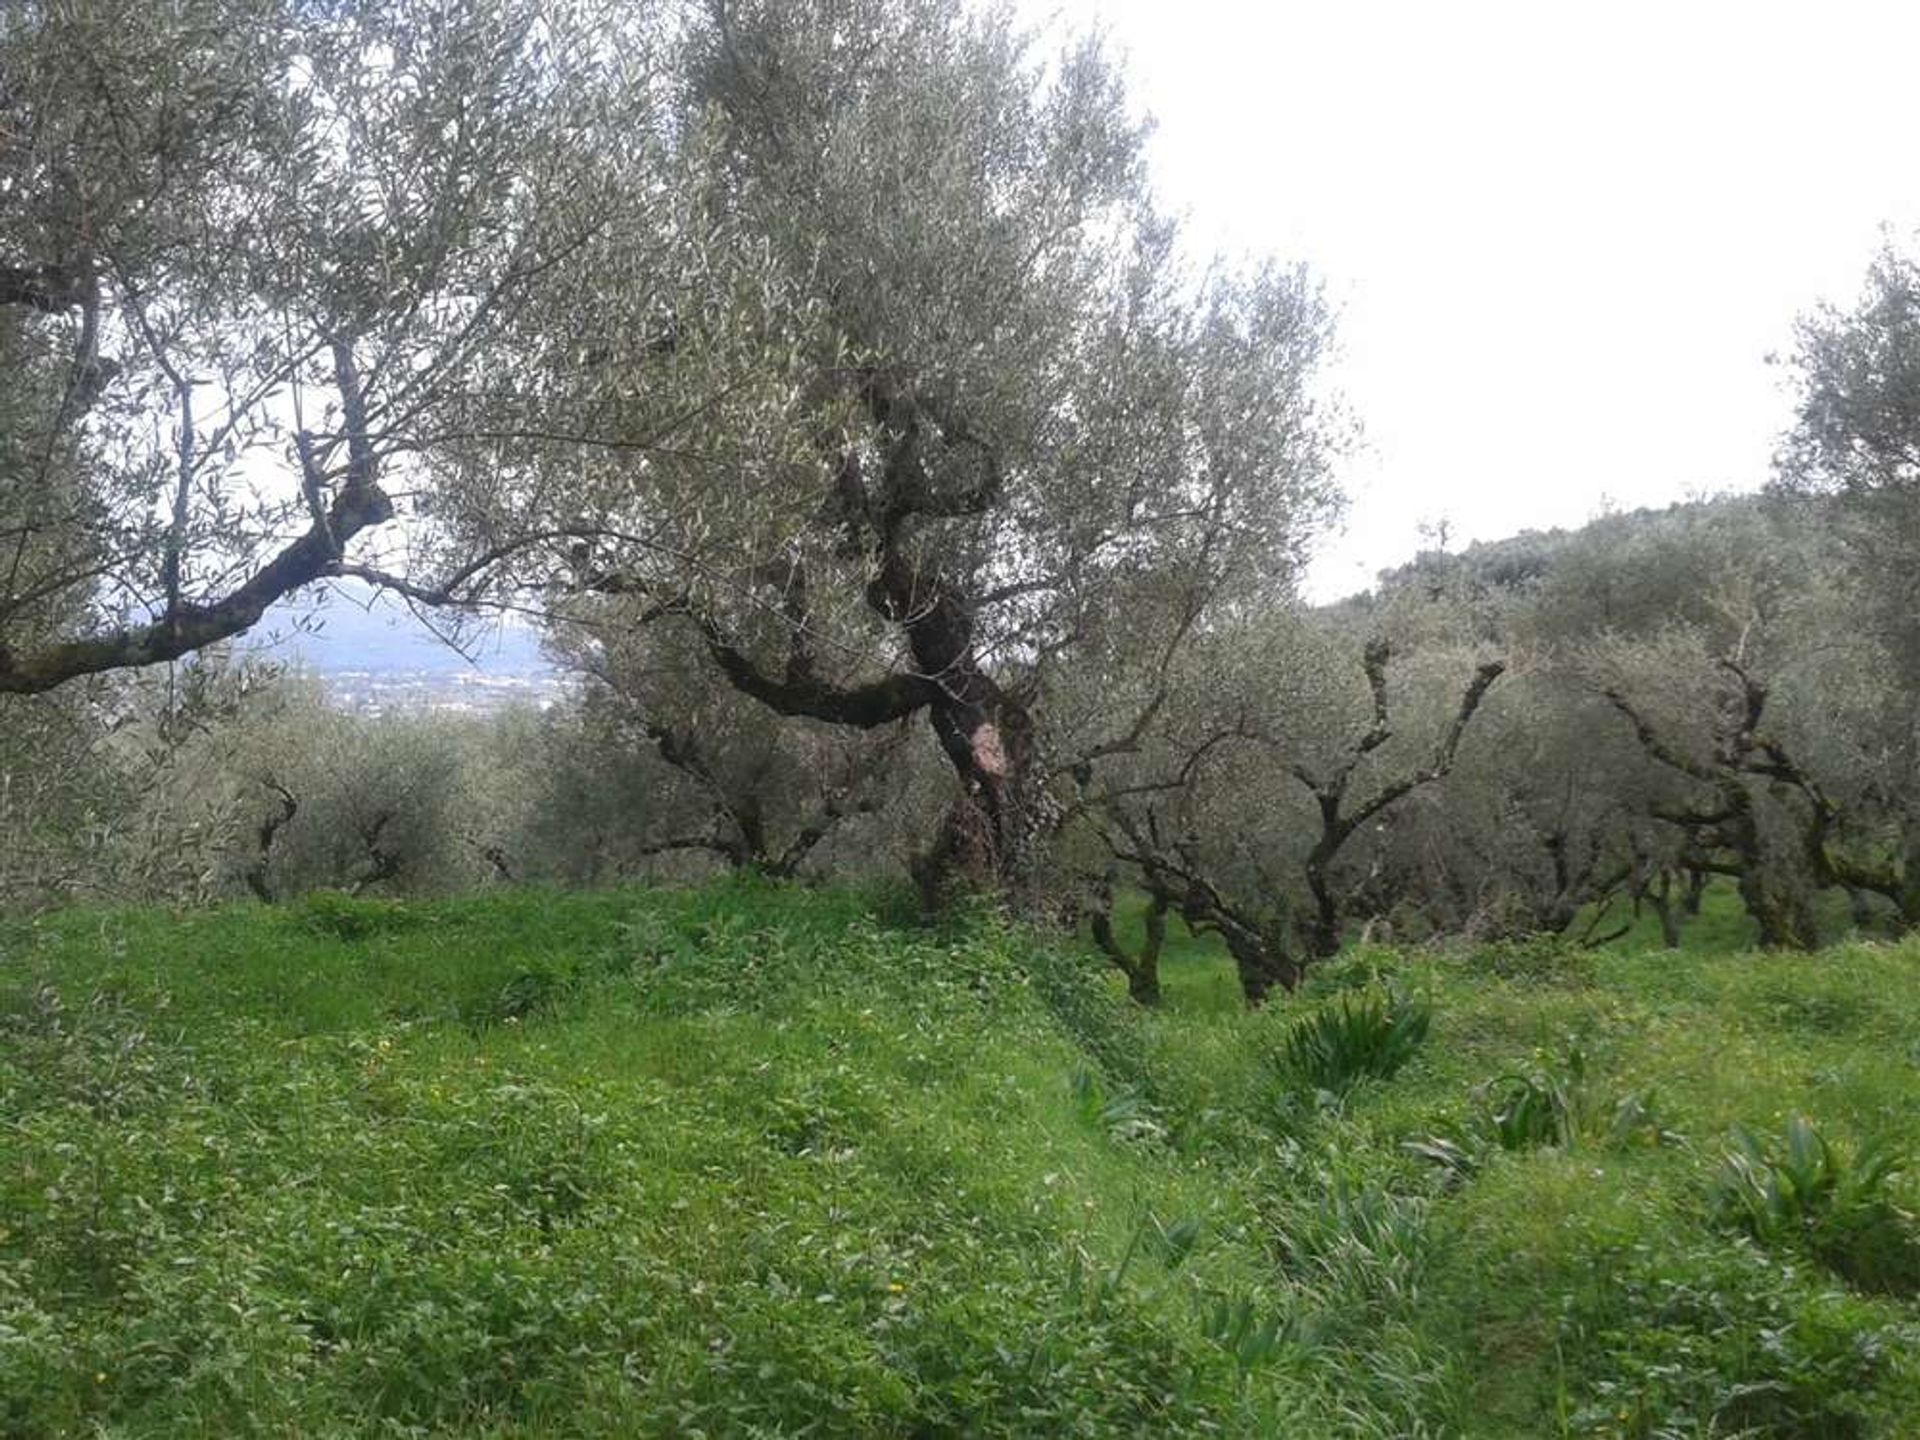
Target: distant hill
<point>377,654</point>
<point>1529,557</point>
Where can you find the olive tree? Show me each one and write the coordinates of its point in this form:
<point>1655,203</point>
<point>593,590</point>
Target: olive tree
<point>1773,721</point>
<point>948,402</point>
<point>725,776</point>
<point>59,793</point>
<point>1698,716</point>
<point>124,788</point>
<point>1856,440</point>
<point>237,778</point>
<point>1753,802</point>
<point>1536,830</point>
<point>365,803</point>
<point>1242,805</point>
<point>1854,451</point>
<point>250,251</point>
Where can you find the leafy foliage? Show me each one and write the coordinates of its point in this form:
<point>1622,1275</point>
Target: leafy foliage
<point>1836,1203</point>
<point>1693,1341</point>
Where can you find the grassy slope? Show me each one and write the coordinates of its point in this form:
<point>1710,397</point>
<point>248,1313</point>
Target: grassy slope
<point>753,1161</point>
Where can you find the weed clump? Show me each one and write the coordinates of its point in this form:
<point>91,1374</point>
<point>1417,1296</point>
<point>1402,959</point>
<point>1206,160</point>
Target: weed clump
<point>1564,1106</point>
<point>1833,1202</point>
<point>1372,1032</point>
<point>1692,1340</point>
<point>1537,959</point>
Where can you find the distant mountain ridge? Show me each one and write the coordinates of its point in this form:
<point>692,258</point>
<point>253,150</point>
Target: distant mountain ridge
<point>375,653</point>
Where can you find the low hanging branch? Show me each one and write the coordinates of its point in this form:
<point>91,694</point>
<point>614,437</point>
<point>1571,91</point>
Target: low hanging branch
<point>383,862</point>
<point>257,874</point>
<point>1595,880</point>
<point>1141,967</point>
<point>742,834</point>
<point>1173,874</point>
<point>1833,865</point>
<point>186,626</point>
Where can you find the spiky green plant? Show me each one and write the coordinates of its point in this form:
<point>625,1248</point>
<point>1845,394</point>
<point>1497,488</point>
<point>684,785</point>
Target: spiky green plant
<point>1236,1326</point>
<point>1536,1108</point>
<point>1359,1033</point>
<point>1837,1203</point>
<point>1562,1106</point>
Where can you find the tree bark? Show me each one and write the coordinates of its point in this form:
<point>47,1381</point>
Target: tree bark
<point>256,874</point>
<point>1142,968</point>
<point>1660,896</point>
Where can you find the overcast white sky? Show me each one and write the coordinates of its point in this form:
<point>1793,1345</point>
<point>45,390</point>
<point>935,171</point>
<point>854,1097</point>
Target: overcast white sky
<point>1562,238</point>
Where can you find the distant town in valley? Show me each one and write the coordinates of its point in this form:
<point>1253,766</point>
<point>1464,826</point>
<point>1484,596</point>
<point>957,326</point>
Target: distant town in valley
<point>378,657</point>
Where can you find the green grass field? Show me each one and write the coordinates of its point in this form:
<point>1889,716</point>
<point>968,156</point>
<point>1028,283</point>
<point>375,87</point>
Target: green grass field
<point>754,1161</point>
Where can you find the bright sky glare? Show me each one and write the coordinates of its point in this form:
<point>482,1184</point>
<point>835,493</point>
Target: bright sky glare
<point>1562,237</point>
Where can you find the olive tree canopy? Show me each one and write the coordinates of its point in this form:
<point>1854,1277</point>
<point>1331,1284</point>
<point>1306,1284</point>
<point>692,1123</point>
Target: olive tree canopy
<point>250,252</point>
<point>947,401</point>
<point>1856,437</point>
